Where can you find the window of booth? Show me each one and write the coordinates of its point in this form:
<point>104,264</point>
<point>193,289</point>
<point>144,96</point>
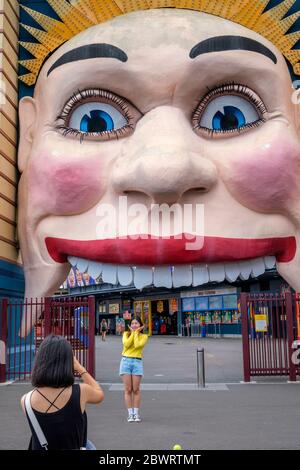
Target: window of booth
<point>210,309</point>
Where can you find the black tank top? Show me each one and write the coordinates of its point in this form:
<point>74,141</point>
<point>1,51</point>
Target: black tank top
<point>65,429</point>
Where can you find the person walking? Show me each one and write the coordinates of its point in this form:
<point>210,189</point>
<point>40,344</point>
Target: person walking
<point>131,367</point>
<point>103,328</point>
<point>56,402</point>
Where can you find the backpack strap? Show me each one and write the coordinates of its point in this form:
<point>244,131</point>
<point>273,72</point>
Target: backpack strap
<point>35,424</point>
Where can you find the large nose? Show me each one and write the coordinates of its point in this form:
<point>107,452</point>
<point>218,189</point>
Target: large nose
<point>164,159</point>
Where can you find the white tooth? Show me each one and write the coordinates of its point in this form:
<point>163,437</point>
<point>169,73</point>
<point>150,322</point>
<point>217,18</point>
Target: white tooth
<point>73,260</point>
<point>125,275</point>
<point>143,276</point>
<point>232,271</point>
<point>182,275</point>
<point>245,269</point>
<point>94,269</point>
<point>269,261</point>
<point>109,273</point>
<point>216,272</point>
<point>163,276</point>
<point>82,264</point>
<point>257,267</point>
<point>200,274</point>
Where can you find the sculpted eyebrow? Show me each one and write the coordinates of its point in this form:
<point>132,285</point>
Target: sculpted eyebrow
<point>231,43</point>
<point>90,51</point>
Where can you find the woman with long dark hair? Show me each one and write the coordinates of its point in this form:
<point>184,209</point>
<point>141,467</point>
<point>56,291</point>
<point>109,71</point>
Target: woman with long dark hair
<point>131,367</point>
<point>58,404</point>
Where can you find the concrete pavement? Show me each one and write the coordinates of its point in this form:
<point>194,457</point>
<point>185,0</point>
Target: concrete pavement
<point>227,415</point>
<point>251,416</point>
<point>171,359</point>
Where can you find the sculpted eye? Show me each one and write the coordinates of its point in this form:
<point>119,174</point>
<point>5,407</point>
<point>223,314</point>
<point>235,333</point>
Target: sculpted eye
<point>226,110</point>
<point>227,113</point>
<point>97,118</point>
<point>98,115</point>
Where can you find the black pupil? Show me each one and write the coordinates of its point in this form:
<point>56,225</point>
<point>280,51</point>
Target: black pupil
<point>229,121</point>
<point>96,123</point>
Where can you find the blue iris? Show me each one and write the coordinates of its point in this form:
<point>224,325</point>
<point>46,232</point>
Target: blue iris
<point>232,118</point>
<point>98,121</point>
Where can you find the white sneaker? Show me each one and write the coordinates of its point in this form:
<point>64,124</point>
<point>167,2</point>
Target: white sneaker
<point>137,418</point>
<point>130,419</point>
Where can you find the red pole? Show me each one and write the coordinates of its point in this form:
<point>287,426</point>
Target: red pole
<point>47,316</point>
<point>297,315</point>
<point>3,340</point>
<point>245,335</point>
<point>290,333</point>
<point>91,353</point>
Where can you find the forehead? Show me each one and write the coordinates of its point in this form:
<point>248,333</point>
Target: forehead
<point>157,28</point>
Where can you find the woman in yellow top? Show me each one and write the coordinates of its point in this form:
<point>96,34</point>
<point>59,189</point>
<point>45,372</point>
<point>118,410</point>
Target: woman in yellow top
<point>131,367</point>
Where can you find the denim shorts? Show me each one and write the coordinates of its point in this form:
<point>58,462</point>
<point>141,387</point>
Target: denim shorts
<point>131,366</point>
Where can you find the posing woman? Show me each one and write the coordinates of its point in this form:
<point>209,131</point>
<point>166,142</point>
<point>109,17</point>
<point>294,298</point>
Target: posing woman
<point>131,367</point>
<point>57,403</point>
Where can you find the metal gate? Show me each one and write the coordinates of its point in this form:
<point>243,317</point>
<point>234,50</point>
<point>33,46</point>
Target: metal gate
<point>269,327</point>
<point>73,318</point>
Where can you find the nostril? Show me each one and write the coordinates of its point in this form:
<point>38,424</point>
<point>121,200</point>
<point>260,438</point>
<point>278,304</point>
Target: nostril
<point>134,193</point>
<point>200,189</point>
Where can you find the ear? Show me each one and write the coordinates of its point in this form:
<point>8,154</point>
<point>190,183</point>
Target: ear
<point>296,103</point>
<point>28,121</point>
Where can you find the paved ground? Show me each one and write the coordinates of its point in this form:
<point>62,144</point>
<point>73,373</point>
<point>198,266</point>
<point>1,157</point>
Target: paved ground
<point>224,416</point>
<point>171,359</point>
<point>243,417</point>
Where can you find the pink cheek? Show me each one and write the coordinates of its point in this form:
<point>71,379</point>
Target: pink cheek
<point>66,188</point>
<point>265,179</point>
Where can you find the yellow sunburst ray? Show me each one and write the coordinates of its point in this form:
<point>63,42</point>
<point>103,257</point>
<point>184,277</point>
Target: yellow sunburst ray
<point>105,10</point>
<point>205,5</point>
<point>293,56</point>
<point>215,7</point>
<point>37,50</point>
<point>289,40</point>
<point>72,17</point>
<point>162,3</point>
<point>279,11</point>
<point>236,7</point>
<point>29,79</point>
<point>49,24</point>
<point>44,38</point>
<point>187,4</point>
<point>296,69</point>
<point>32,64</point>
<point>130,5</point>
<point>250,13</point>
<point>288,22</point>
<point>84,6</point>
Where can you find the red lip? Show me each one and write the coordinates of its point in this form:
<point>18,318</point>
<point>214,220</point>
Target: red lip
<point>168,250</point>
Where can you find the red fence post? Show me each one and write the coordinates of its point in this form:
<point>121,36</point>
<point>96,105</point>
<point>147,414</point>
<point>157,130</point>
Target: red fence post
<point>47,316</point>
<point>92,352</point>
<point>245,336</point>
<point>3,340</point>
<point>290,333</point>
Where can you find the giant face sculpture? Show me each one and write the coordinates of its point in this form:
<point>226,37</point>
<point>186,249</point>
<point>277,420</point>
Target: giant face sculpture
<point>157,107</point>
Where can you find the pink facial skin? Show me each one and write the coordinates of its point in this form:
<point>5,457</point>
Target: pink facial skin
<point>62,185</point>
<point>261,178</point>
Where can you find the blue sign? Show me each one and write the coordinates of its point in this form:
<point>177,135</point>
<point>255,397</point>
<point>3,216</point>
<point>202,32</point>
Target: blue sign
<point>201,303</point>
<point>188,304</point>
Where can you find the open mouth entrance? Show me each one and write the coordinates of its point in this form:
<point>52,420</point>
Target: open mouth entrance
<point>188,313</point>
